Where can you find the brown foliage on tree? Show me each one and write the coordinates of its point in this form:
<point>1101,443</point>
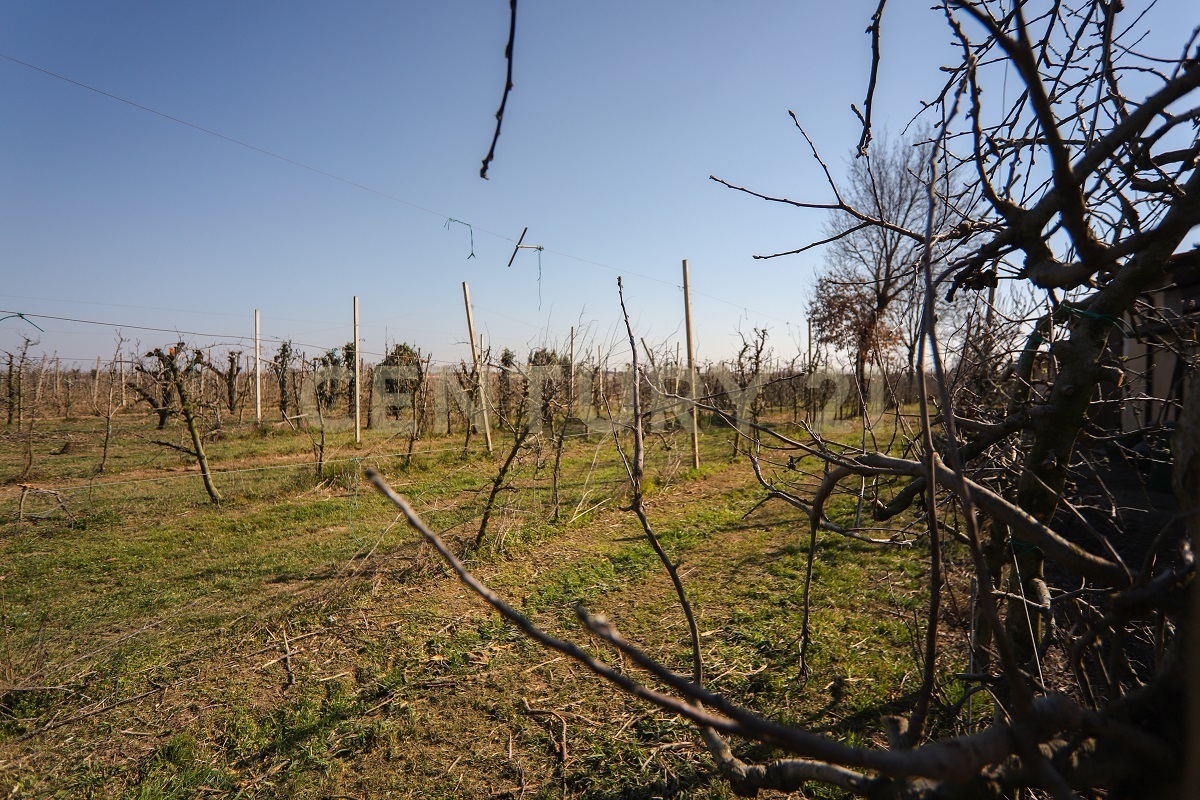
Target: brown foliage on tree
<point>845,314</point>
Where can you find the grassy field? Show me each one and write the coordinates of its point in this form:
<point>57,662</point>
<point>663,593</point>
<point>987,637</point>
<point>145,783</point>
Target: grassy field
<point>299,641</point>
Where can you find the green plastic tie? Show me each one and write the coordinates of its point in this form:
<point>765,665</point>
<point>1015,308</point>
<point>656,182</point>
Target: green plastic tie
<point>469,228</point>
<point>1124,327</point>
<point>19,315</point>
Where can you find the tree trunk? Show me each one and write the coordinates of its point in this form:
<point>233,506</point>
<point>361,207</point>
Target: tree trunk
<point>189,418</point>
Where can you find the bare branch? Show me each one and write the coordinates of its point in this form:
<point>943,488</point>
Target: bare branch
<point>1029,528</point>
<point>813,245</point>
<point>864,141</point>
<point>508,85</point>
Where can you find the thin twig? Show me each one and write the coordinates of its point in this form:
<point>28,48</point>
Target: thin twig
<point>508,85</point>
<point>864,141</point>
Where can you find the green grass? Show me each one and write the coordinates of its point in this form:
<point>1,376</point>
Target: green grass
<point>150,624</point>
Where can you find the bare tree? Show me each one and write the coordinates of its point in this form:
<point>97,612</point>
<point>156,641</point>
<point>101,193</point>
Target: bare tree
<point>154,386</point>
<point>875,265</point>
<point>1096,226</point>
<point>327,373</point>
<point>114,401</point>
<point>18,363</point>
<point>409,379</point>
<point>749,368</point>
<point>519,429</point>
<point>316,434</point>
<point>175,364</point>
<point>1082,181</point>
<point>10,397</point>
<point>470,379</point>
<point>31,411</point>
<point>283,368</point>
<point>519,424</point>
<point>229,376</point>
<point>349,356</point>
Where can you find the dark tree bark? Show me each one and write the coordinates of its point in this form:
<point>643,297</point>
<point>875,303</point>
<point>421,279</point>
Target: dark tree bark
<point>174,367</point>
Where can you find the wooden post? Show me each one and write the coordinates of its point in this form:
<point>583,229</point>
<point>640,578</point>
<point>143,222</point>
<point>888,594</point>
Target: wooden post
<point>571,377</point>
<point>217,405</point>
<point>810,354</point>
<point>599,374</point>
<point>475,356</point>
<point>121,365</point>
<point>484,382</point>
<point>691,356</point>
<point>42,377</point>
<point>357,377</point>
<point>257,368</point>
<point>96,384</point>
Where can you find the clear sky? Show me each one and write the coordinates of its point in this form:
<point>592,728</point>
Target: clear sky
<point>620,112</point>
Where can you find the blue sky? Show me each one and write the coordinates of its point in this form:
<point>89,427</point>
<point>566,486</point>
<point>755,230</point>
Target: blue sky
<point>619,114</point>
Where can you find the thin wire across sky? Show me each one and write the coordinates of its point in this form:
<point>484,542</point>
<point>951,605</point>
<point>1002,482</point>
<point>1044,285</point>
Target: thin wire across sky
<point>446,218</point>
